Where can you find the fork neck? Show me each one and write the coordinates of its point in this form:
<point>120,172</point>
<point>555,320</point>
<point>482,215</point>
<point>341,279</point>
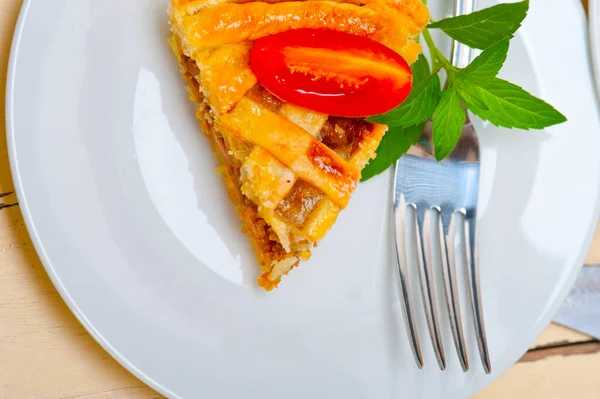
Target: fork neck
<point>462,54</point>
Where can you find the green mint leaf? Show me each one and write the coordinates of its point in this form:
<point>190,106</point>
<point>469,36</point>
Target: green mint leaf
<point>394,144</point>
<point>420,104</point>
<point>487,65</point>
<point>417,108</point>
<point>507,105</point>
<point>482,29</point>
<point>448,121</point>
<point>420,69</point>
<point>468,93</point>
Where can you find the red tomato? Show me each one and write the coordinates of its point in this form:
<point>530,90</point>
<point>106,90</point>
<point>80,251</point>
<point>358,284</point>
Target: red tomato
<point>332,72</point>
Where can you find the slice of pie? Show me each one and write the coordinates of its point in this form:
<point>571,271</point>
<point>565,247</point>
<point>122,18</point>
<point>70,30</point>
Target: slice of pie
<point>288,170</point>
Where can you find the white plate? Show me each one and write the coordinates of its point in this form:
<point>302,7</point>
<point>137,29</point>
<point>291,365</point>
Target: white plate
<point>118,191</point>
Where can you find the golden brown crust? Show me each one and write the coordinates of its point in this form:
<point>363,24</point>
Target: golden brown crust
<point>383,22</point>
<point>294,147</point>
<point>233,58</point>
<point>264,240</point>
<point>289,171</point>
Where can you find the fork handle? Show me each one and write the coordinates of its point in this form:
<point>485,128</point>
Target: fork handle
<point>460,58</point>
<point>462,54</point>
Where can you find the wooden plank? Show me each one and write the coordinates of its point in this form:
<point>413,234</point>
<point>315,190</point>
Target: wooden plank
<point>593,257</point>
<point>554,377</point>
<point>46,353</point>
<point>8,16</point>
<point>582,348</point>
<point>556,335</point>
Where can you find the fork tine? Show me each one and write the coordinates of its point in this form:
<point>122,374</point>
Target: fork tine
<point>474,286</point>
<point>451,286</point>
<point>407,308</point>
<point>423,231</point>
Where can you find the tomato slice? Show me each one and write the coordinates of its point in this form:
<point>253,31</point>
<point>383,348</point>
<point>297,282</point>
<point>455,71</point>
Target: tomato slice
<point>332,72</point>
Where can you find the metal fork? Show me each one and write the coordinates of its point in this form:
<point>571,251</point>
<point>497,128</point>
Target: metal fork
<point>440,198</point>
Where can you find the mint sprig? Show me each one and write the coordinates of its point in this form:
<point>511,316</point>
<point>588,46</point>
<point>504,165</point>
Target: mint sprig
<point>487,65</point>
<point>475,87</point>
<point>507,105</point>
<point>420,104</point>
<point>448,122</point>
<point>484,28</point>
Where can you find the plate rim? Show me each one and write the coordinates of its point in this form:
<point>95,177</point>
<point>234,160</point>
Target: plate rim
<point>478,384</point>
<point>30,225</point>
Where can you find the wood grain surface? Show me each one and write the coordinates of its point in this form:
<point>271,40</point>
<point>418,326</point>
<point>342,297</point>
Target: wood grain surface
<point>46,354</point>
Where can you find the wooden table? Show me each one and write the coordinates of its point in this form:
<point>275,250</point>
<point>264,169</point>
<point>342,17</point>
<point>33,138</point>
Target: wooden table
<point>46,354</point>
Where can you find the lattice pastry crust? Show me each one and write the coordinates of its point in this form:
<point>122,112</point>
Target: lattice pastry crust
<point>289,171</point>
